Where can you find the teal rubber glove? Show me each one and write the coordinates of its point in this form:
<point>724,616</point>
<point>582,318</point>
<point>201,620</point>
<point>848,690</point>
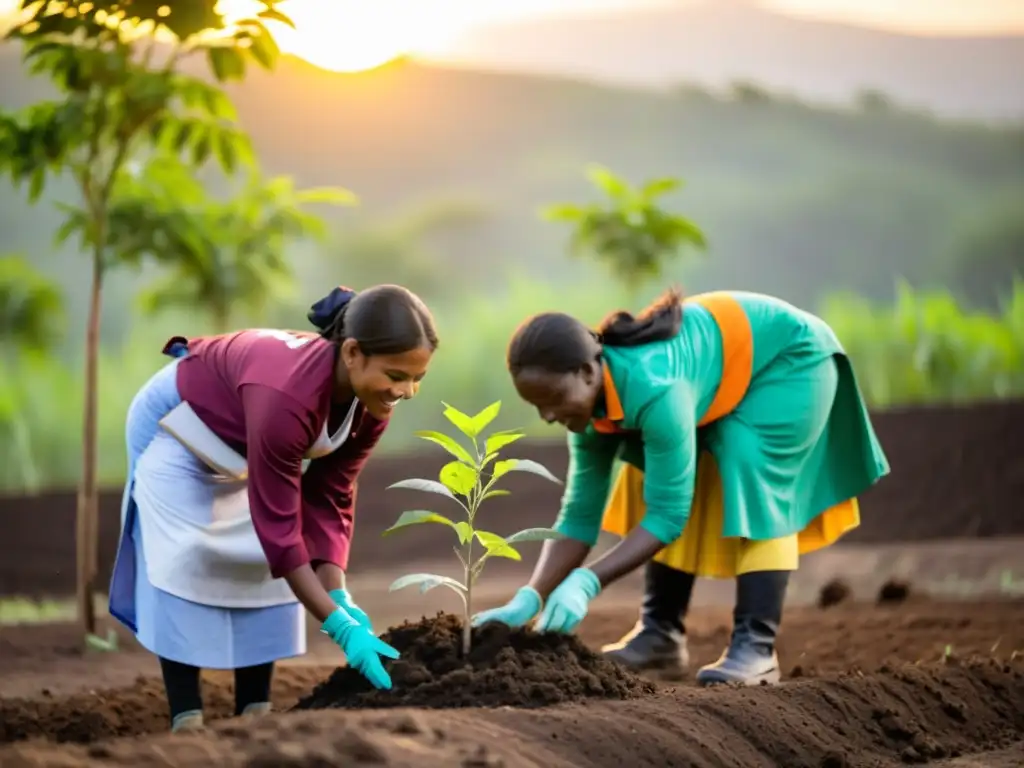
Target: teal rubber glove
<point>517,612</point>
<point>362,648</point>
<point>567,605</point>
<point>343,599</point>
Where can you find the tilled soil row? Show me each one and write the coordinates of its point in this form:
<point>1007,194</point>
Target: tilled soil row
<point>816,644</point>
<point>911,714</point>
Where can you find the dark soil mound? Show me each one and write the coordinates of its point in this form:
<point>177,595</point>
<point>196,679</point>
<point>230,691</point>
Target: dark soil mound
<point>506,667</point>
<point>833,593</point>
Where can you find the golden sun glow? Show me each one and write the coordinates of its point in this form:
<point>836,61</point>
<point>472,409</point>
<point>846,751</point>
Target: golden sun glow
<point>350,35</point>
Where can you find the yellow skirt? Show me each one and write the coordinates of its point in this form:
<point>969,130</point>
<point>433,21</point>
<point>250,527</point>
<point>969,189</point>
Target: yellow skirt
<point>702,550</point>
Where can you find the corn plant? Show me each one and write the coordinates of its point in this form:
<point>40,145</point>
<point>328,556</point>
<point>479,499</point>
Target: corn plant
<point>469,481</point>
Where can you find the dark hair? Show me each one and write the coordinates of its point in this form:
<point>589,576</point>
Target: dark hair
<point>559,343</point>
<point>660,321</point>
<point>383,320</point>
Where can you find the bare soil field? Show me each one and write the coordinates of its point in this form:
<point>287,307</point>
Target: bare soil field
<point>903,645</point>
<point>915,681</point>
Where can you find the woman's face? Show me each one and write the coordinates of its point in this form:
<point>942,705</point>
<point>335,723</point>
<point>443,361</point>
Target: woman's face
<point>382,381</point>
<point>563,398</point>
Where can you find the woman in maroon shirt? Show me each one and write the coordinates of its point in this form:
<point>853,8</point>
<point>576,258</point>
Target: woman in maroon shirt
<point>238,510</point>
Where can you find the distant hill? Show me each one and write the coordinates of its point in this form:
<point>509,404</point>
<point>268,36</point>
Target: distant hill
<point>797,200</point>
<point>712,43</point>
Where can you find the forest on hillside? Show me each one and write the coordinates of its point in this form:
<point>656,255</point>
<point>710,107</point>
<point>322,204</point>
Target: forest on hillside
<point>905,230</point>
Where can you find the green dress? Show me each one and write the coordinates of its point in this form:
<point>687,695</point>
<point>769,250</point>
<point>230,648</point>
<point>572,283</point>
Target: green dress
<point>800,442</point>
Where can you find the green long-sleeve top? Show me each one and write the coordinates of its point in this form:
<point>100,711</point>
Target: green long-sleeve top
<point>665,388</point>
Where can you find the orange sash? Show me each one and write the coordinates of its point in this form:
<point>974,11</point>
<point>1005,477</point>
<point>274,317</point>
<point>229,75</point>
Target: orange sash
<point>737,363</point>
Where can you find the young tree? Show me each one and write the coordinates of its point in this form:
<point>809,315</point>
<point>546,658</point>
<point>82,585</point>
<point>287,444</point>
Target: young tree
<point>629,232</point>
<point>115,66</point>
<point>238,260</point>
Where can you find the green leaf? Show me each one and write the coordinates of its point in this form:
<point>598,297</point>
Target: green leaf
<point>70,225</point>
<point>416,516</point>
<point>37,184</point>
<point>489,539</point>
<point>226,63</point>
<point>426,582</point>
<point>657,187</point>
<point>563,212</point>
<point>264,48</point>
<point>499,440</point>
<point>458,478</point>
<point>271,15</point>
<point>417,484</point>
<point>534,534</point>
<point>462,422</point>
<point>450,444</point>
<point>494,493</point>
<point>465,531</point>
<point>528,465</point>
<point>226,154</point>
<point>503,467</point>
<point>183,133</point>
<point>485,417</point>
<point>497,546</point>
<point>201,148</point>
<point>609,183</point>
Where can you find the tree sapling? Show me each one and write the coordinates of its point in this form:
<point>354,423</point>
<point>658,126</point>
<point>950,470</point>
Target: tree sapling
<point>469,481</point>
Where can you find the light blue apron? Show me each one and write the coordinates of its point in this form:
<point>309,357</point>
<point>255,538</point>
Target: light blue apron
<point>188,632</point>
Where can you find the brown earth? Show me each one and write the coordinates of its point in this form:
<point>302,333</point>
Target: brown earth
<point>910,714</point>
<point>957,472</point>
<point>879,675</point>
<point>876,681</point>
<point>504,667</point>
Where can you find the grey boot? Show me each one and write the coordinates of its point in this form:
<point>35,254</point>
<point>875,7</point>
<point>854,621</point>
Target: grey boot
<point>188,721</point>
<point>750,658</point>
<point>658,640</point>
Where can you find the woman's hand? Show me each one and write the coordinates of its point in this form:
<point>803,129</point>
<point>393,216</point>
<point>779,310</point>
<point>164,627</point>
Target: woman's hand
<point>343,599</point>
<point>517,612</point>
<point>568,603</point>
<point>361,647</point>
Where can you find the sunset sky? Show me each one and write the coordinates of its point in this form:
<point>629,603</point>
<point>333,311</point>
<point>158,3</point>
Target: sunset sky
<point>358,34</point>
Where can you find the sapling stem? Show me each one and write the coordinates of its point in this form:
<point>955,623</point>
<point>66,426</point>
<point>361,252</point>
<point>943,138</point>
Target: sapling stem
<point>472,501</point>
<point>467,629</point>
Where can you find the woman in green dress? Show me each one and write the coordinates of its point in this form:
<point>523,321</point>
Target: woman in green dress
<point>744,442</point>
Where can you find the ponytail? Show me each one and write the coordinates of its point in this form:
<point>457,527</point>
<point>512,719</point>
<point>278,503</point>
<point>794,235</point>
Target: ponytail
<point>328,314</point>
<point>660,321</point>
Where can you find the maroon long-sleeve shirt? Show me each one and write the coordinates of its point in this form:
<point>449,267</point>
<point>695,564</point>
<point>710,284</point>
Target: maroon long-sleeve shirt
<point>267,394</point>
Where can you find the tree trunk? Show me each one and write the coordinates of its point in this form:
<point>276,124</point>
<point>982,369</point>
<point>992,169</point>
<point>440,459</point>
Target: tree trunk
<point>88,506</point>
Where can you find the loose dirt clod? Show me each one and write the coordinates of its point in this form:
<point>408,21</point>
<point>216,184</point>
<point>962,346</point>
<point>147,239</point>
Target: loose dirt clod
<point>506,667</point>
<point>833,593</point>
<point>893,592</point>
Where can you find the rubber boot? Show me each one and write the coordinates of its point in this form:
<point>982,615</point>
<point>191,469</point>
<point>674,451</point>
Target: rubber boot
<point>188,721</point>
<point>750,658</point>
<point>658,640</point>
<point>256,709</point>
